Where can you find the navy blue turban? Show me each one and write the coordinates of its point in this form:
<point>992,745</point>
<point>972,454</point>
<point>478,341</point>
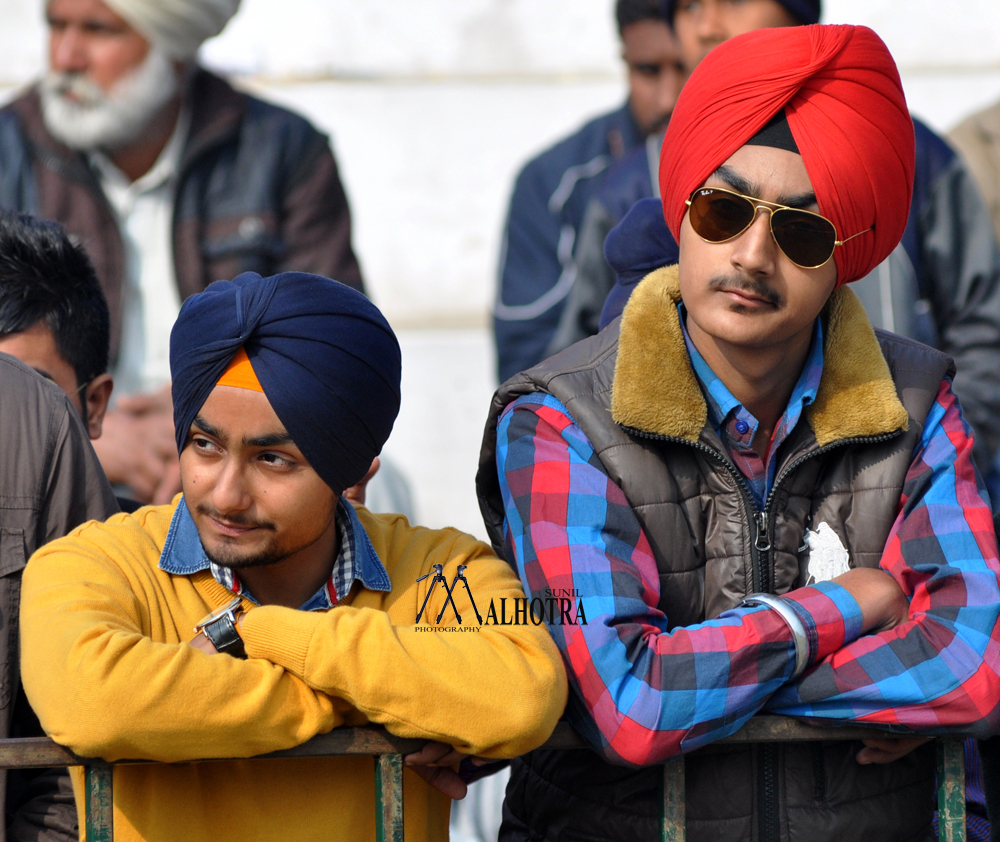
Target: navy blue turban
<point>636,246</point>
<point>326,358</point>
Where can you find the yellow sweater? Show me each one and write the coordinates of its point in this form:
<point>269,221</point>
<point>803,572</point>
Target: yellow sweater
<point>106,666</point>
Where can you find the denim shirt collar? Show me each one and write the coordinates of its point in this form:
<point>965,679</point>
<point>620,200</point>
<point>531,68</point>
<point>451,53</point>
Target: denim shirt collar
<point>183,554</point>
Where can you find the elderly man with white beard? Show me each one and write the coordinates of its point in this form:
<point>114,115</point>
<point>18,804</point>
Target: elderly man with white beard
<point>171,179</point>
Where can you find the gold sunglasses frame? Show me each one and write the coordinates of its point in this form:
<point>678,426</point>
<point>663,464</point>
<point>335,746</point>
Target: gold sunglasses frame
<point>771,207</point>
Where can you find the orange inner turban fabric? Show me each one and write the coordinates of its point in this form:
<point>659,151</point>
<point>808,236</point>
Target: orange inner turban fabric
<point>240,373</point>
<point>845,106</point>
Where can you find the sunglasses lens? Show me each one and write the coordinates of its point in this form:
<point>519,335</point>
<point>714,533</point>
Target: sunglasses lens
<point>718,216</point>
<point>806,239</point>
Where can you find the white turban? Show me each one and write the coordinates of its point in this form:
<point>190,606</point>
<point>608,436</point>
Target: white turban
<point>178,27</point>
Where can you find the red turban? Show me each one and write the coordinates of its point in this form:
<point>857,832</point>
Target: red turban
<point>841,92</point>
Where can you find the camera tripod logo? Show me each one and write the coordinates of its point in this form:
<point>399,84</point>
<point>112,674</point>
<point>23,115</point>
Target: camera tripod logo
<point>449,592</point>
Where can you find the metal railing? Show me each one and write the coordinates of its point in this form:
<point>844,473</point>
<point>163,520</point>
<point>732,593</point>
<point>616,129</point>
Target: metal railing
<point>388,752</point>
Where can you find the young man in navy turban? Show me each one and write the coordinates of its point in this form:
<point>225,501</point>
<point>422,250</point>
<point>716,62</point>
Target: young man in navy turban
<point>764,504</point>
<point>285,389</point>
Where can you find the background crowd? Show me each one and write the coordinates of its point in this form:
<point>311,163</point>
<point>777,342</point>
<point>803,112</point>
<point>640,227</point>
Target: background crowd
<point>433,109</point>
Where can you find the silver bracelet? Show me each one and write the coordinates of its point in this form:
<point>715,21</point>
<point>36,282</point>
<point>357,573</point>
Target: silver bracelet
<point>798,630</point>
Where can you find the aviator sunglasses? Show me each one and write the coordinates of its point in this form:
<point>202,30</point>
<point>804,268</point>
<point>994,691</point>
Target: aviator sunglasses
<point>805,238</point>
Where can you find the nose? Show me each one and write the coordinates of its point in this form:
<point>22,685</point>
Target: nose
<point>67,50</point>
<point>710,27</point>
<point>230,494</point>
<point>755,252</point>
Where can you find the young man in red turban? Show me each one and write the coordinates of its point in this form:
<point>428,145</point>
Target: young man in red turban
<point>761,503</point>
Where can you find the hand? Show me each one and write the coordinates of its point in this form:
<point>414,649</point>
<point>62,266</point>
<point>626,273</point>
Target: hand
<point>356,493</point>
<point>883,603</point>
<point>433,763</point>
<point>201,641</point>
<point>138,449</point>
<point>886,750</point>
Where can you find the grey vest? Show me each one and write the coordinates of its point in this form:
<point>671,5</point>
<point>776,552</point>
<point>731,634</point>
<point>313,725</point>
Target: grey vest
<point>712,547</point>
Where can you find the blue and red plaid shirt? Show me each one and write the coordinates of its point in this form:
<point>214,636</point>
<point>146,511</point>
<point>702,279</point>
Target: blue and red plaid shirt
<point>643,694</point>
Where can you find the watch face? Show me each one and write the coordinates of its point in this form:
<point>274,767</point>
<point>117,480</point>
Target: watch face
<point>219,613</point>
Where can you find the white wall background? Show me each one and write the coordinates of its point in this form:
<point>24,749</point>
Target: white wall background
<point>433,105</point>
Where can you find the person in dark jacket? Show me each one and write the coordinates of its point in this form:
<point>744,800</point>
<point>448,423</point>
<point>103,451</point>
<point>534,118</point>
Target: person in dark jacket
<point>553,189</point>
<point>940,286</point>
<point>760,502</point>
<point>171,179</point>
<point>53,315</point>
<point>51,483</point>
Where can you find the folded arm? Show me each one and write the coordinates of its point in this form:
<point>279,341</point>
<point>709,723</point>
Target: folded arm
<point>641,693</point>
<point>488,690</point>
<point>101,686</point>
<point>940,670</point>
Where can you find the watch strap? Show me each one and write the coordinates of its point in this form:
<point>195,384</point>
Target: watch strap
<point>224,633</point>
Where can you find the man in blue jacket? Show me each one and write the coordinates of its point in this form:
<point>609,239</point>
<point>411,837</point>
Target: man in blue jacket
<point>553,189</point>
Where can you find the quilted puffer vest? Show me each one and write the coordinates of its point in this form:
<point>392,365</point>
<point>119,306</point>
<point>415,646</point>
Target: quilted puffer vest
<point>632,391</point>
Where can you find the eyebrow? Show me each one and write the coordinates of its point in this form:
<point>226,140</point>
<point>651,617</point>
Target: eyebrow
<point>269,440</point>
<point>275,439</point>
<point>750,188</point>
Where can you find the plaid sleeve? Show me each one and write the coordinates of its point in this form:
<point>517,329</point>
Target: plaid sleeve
<point>640,693</point>
<point>938,671</point>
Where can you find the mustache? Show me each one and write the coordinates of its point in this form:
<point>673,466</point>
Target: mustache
<point>722,283</point>
<point>234,519</point>
<point>77,85</point>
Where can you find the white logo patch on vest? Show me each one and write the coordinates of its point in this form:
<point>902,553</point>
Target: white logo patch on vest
<point>827,557</point>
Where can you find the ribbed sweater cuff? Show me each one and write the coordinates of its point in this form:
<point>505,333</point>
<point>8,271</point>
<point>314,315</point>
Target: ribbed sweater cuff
<point>280,635</point>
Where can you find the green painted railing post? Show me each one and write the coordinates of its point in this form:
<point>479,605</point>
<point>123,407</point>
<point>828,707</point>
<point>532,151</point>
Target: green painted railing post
<point>99,821</point>
<point>673,800</point>
<point>389,798</point>
<point>951,790</point>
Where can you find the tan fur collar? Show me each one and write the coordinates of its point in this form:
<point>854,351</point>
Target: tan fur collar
<point>655,388</point>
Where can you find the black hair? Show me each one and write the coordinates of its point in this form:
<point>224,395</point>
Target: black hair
<point>46,277</point>
<point>628,12</point>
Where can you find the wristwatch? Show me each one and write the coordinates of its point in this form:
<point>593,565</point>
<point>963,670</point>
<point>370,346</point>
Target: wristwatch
<point>220,627</point>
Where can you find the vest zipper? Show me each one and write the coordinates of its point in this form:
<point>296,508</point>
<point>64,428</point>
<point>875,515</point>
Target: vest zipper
<point>767,761</point>
<point>763,582</point>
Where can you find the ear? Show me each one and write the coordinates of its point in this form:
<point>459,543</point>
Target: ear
<point>356,493</point>
<point>96,398</point>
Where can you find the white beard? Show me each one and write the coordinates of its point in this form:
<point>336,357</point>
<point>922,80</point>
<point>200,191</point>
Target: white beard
<point>93,119</point>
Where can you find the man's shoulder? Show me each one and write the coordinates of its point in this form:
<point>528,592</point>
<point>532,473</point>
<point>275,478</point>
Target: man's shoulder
<point>219,108</point>
<point>907,357</point>
<point>403,547</point>
<point>24,107</point>
<point>33,411</point>
<point>22,127</point>
<point>982,124</point>
<point>592,140</point>
<point>19,384</point>
<point>933,153</point>
<point>127,540</point>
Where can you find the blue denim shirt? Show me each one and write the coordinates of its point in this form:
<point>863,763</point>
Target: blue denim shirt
<point>184,555</point>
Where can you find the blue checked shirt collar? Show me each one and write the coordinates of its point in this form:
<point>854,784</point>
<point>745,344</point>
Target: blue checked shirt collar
<point>736,426</point>
<point>183,555</point>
